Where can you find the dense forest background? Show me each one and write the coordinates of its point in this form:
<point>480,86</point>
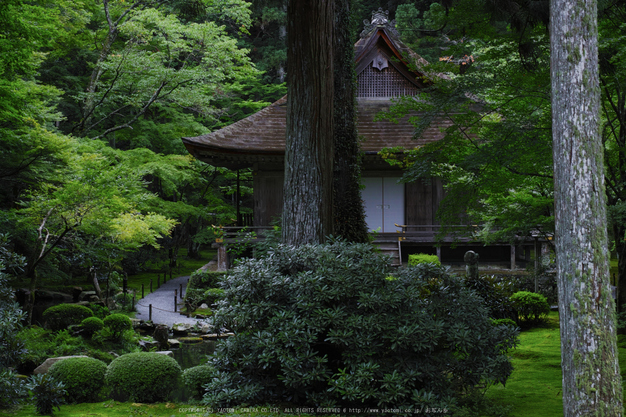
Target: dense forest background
<point>95,97</point>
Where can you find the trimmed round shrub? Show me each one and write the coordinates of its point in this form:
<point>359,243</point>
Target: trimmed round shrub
<point>92,325</point>
<point>423,258</point>
<point>62,316</point>
<point>322,324</point>
<point>118,323</point>
<point>83,378</point>
<point>531,307</point>
<point>142,377</point>
<point>503,322</point>
<point>195,378</point>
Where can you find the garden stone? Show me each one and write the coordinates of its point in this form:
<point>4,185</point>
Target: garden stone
<point>161,335</point>
<point>203,306</point>
<point>76,291</point>
<point>147,345</point>
<point>44,367</point>
<point>471,261</point>
<point>166,352</point>
<point>174,343</point>
<point>181,329</point>
<point>86,295</point>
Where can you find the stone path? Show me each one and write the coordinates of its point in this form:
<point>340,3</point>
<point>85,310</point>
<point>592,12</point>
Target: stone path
<point>162,301</point>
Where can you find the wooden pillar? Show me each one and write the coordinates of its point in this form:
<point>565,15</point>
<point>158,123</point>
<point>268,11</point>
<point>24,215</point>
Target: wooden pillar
<point>513,257</point>
<point>537,254</point>
<point>439,253</point>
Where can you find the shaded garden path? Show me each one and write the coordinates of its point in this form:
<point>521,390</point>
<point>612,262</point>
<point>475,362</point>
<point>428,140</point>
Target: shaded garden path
<point>162,301</point>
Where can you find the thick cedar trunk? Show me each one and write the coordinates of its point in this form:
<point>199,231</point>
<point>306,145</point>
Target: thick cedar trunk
<point>307,207</point>
<point>591,378</point>
<point>348,212</point>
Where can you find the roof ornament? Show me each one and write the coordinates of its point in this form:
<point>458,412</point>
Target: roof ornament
<point>380,18</point>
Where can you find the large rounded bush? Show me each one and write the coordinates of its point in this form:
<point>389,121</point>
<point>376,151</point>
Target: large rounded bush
<point>118,323</point>
<point>321,324</point>
<point>62,316</point>
<point>531,307</point>
<point>83,378</point>
<point>143,377</point>
<point>195,378</point>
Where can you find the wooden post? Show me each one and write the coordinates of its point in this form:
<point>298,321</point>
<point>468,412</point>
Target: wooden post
<point>150,312</point>
<point>180,294</point>
<point>512,257</point>
<point>175,301</point>
<point>150,285</point>
<point>142,293</point>
<point>439,253</point>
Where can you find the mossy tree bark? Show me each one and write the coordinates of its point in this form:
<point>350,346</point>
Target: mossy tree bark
<point>348,211</point>
<point>307,206</point>
<point>591,378</point>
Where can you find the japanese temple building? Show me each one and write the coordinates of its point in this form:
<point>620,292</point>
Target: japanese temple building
<point>402,214</point>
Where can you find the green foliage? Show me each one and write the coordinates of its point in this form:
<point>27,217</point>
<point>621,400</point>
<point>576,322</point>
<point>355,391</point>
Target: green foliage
<point>503,322</point>
<point>11,315</point>
<point>12,389</point>
<point>143,376</point>
<point>201,288</point>
<point>91,325</point>
<point>197,377</point>
<point>419,258</point>
<point>83,378</point>
<point>213,295</point>
<point>124,302</point>
<point>205,279</point>
<point>118,323</point>
<point>494,295</point>
<point>321,324</point>
<point>531,307</point>
<point>63,315</point>
<point>99,311</point>
<point>47,392</point>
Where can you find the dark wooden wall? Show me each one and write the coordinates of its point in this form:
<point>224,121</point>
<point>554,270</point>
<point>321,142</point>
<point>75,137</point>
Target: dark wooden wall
<point>422,199</point>
<point>268,196</point>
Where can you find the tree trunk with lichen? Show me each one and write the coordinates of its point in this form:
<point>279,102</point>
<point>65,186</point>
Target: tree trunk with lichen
<point>307,207</point>
<point>348,211</point>
<point>591,378</point>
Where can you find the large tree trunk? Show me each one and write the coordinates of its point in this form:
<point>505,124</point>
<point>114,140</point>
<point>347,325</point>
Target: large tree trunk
<point>307,207</point>
<point>591,378</point>
<point>348,212</point>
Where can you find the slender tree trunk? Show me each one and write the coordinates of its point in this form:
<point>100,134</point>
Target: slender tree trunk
<point>591,378</point>
<point>348,209</point>
<point>620,247</point>
<point>307,207</point>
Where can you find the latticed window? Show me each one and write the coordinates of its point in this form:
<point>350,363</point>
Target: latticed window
<point>387,82</point>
